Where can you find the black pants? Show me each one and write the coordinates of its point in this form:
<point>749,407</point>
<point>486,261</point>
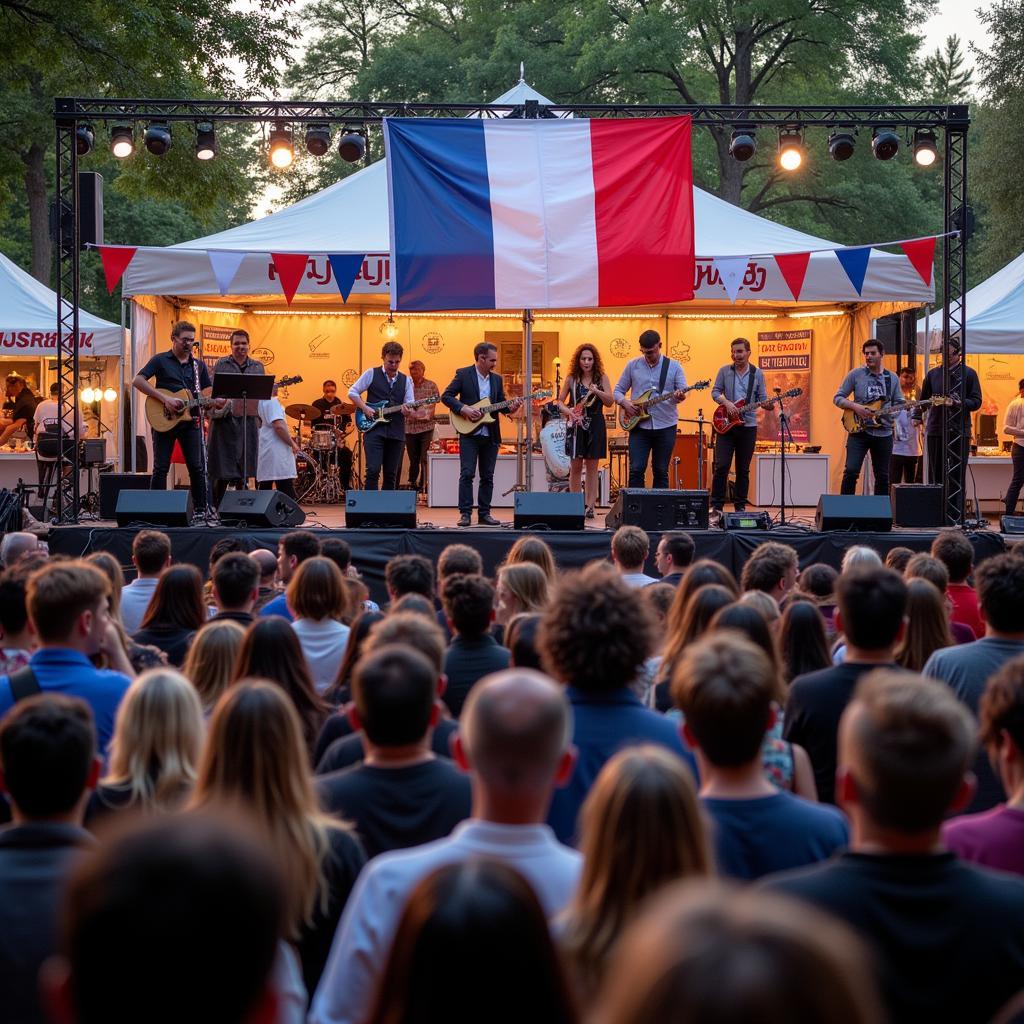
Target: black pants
<point>937,464</point>
<point>383,457</point>
<point>1013,491</point>
<point>220,488</point>
<point>740,442</point>
<point>905,469</point>
<point>857,447</point>
<point>655,445</point>
<point>416,448</point>
<point>284,486</point>
<point>163,448</point>
<point>477,452</point>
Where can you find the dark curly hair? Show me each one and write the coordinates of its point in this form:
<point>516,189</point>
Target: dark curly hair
<point>574,363</point>
<point>594,634</point>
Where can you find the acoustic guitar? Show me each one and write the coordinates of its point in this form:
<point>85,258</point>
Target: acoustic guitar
<point>366,423</point>
<point>464,425</point>
<point>854,424</point>
<point>645,403</point>
<point>723,422</point>
<point>161,419</point>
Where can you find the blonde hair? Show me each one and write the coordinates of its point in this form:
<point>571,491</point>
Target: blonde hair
<point>527,583</point>
<point>764,603</point>
<point>111,568</point>
<point>158,734</point>
<point>211,659</point>
<point>535,551</point>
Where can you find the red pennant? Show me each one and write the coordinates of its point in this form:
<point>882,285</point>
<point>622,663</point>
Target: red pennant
<point>115,263</point>
<point>922,256</point>
<point>793,267</point>
<point>290,267</point>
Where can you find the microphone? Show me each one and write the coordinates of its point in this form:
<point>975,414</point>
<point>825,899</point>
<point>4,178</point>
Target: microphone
<point>777,391</point>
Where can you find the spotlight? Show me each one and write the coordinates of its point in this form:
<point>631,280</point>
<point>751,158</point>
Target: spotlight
<point>206,141</point>
<point>88,396</point>
<point>791,150</point>
<point>926,148</point>
<point>885,143</point>
<point>318,139</point>
<point>122,141</point>
<point>743,145</point>
<point>158,138</point>
<point>841,145</point>
<point>351,146</point>
<point>282,153</point>
<point>390,329</point>
<point>109,395</point>
<point>85,138</point>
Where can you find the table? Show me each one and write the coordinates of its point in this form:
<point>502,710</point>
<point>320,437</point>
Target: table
<point>443,480</point>
<point>15,466</point>
<point>990,476</point>
<point>807,479</point>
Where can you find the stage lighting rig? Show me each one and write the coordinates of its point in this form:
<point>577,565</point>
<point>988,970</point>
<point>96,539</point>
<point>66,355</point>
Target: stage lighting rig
<point>743,145</point>
<point>841,145</point>
<point>85,139</point>
<point>885,143</point>
<point>351,146</point>
<point>157,138</point>
<point>282,150</point>
<point>791,149</point>
<point>318,139</point>
<point>206,141</point>
<point>122,141</point>
<point>926,147</point>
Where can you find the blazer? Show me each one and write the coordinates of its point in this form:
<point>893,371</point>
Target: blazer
<point>464,390</point>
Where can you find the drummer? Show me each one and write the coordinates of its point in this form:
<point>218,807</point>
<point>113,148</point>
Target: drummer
<point>326,404</point>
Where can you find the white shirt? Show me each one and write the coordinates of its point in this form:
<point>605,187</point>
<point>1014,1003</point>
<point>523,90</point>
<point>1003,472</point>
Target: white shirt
<point>637,579</point>
<point>484,386</point>
<point>275,459</point>
<point>1015,418</point>
<point>363,384</point>
<point>323,643</point>
<point>135,598</point>
<point>49,412</point>
<point>363,939</point>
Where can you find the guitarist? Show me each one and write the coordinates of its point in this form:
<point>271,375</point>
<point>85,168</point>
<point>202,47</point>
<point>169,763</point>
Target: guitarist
<point>737,382</point>
<point>173,371</point>
<point>383,446</point>
<point>652,438</point>
<point>470,385</point>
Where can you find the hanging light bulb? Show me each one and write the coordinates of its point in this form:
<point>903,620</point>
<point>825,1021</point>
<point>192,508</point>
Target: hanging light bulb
<point>390,329</point>
<point>88,396</point>
<point>109,395</point>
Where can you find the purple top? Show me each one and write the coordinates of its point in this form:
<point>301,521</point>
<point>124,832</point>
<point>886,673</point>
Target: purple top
<point>993,838</point>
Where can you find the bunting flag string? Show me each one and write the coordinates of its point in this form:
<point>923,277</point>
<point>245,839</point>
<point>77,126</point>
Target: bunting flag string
<point>855,263</point>
<point>290,267</point>
<point>225,265</point>
<point>921,253</point>
<point>731,270</point>
<point>793,267</point>
<point>115,260</point>
<point>345,269</point>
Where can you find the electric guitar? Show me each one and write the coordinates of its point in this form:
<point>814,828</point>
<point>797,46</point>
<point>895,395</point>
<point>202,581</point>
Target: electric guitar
<point>723,422</point>
<point>854,424</point>
<point>464,425</point>
<point>162,419</point>
<point>578,412</point>
<point>645,403</point>
<point>365,423</point>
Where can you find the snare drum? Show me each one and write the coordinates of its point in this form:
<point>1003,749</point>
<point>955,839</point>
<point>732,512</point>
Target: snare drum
<point>322,439</point>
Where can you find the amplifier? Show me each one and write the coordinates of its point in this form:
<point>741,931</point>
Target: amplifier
<point>853,512</point>
<point>112,484</point>
<point>94,451</point>
<point>917,505</point>
<point>659,509</point>
<point>746,520</point>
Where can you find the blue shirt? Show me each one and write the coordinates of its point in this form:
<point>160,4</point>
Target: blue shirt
<point>604,723</point>
<point>639,376</point>
<point>277,606</point>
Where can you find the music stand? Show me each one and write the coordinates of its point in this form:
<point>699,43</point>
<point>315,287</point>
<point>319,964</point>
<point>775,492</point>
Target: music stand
<point>250,388</point>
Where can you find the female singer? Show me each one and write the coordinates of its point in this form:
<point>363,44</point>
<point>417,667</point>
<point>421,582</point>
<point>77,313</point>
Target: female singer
<point>587,390</point>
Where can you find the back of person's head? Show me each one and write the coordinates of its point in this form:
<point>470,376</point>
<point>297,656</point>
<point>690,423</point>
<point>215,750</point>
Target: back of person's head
<point>409,574</point>
<point>747,620</point>
<point>267,561</point>
<point>819,580</point>
<point>338,691</point>
<point>300,545</point>
<point>659,598</point>
<point>316,591</point>
<point>151,551</point>
<point>535,551</point>
<point>224,546</point>
<point>927,627</point>
<point>762,602</point>
<point>415,603</point>
<point>872,604</point>
<point>679,547</point>
<point>187,891</point>
<point>15,545</point>
<point>630,546</point>
<point>521,640</point>
<point>111,568</point>
<point>458,559</point>
<point>527,583</point>
<point>802,643</point>
<point>413,630</point>
<point>59,594</point>
<point>177,599</point>
<point>484,916</point>
<point>905,744</point>
<point>236,579</point>
<point>395,690</point>
<point>210,662</point>
<point>700,610</point>
<point>897,558</point>
<point>594,635</point>
<point>860,556</point>
<point>699,574</point>
<point>1000,584</point>
<point>720,955</point>
<point>725,686</point>
<point>357,592</point>
<point>13,606</point>
<point>768,566</point>
<point>1001,711</point>
<point>927,567</point>
<point>468,603</point>
<point>338,551</point>
<point>953,549</point>
<point>47,754</point>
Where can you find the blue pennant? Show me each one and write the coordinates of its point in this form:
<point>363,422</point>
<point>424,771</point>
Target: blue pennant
<point>345,268</point>
<point>855,263</point>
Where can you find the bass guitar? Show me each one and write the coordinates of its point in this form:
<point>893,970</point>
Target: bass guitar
<point>162,419</point>
<point>464,425</point>
<point>723,422</point>
<point>854,424</point>
<point>645,403</point>
<point>366,423</point>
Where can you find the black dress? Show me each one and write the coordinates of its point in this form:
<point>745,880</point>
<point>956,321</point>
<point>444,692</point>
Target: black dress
<point>590,439</point>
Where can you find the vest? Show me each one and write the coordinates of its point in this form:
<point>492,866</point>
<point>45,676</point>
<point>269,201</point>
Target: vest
<point>380,390</point>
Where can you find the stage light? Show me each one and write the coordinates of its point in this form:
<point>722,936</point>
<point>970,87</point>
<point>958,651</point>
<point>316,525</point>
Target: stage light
<point>743,145</point>
<point>282,153</point>
<point>390,328</point>
<point>109,395</point>
<point>841,145</point>
<point>85,138</point>
<point>791,150</point>
<point>926,147</point>
<point>88,396</point>
<point>318,139</point>
<point>351,146</point>
<point>122,141</point>
<point>157,138</point>
<point>206,141</point>
<point>885,143</point>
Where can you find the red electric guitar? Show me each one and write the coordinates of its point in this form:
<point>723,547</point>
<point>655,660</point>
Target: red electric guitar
<point>724,422</point>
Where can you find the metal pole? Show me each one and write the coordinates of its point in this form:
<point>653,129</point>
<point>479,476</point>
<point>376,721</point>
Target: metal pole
<point>926,476</point>
<point>527,388</point>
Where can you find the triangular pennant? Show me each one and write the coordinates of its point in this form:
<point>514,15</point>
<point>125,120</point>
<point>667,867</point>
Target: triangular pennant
<point>921,254</point>
<point>731,270</point>
<point>793,267</point>
<point>345,269</point>
<point>115,263</point>
<point>224,266</point>
<point>290,267</point>
<point>855,263</point>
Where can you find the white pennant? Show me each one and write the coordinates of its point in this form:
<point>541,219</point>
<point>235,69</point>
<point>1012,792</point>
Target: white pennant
<point>731,271</point>
<point>225,265</point>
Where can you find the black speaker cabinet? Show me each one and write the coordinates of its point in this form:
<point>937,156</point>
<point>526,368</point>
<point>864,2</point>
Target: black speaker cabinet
<point>1012,524</point>
<point>917,505</point>
<point>154,508</point>
<point>112,484</point>
<point>657,510</point>
<point>394,510</point>
<point>858,512</point>
<point>90,208</point>
<point>541,510</point>
<point>260,509</point>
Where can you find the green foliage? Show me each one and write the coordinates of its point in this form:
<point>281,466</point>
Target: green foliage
<point>947,78</point>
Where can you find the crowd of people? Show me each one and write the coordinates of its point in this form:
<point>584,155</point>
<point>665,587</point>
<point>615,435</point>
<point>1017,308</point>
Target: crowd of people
<point>640,791</point>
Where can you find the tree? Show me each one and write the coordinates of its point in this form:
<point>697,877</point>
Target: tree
<point>947,79</point>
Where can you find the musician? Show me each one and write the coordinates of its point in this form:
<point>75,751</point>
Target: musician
<point>341,428</point>
<point>227,426</point>
<point>176,370</point>
<point>905,467</point>
<point>734,383</point>
<point>586,436</point>
<point>652,438</point>
<point>383,446</point>
<point>277,448</point>
<point>419,427</point>
<point>868,383</point>
<point>470,385</point>
<point>1014,426</point>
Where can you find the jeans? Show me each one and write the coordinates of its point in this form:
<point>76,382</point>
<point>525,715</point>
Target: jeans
<point>857,447</point>
<point>905,469</point>
<point>654,444</point>
<point>474,451</point>
<point>740,442</point>
<point>284,486</point>
<point>1013,491</point>
<point>937,465</point>
<point>382,451</point>
<point>220,488</point>
<point>163,447</point>
<point>416,447</point>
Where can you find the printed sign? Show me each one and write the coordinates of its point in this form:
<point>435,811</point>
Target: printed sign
<point>785,358</point>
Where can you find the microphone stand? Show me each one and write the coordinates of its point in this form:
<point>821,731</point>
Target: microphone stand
<point>784,431</point>
<point>700,449</point>
<point>207,496</point>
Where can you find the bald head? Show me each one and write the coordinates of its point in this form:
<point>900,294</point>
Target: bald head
<point>14,545</point>
<point>267,561</point>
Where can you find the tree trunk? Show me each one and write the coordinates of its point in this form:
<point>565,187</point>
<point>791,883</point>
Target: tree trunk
<point>38,212</point>
<point>731,172</point>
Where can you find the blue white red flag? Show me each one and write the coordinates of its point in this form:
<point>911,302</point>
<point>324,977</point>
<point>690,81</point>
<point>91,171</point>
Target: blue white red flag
<point>547,213</point>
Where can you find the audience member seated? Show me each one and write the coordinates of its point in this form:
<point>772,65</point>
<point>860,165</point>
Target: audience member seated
<point>456,560</point>
<point>18,639</point>
<point>927,626</point>
<point>174,614</point>
<point>927,567</point>
<point>409,574</point>
<point>948,937</point>
<point>519,588</point>
<point>210,664</point>
<point>402,794</point>
<point>267,561</point>
<point>870,611</point>
<point>151,554</point>
<point>630,548</point>
<point>766,606</point>
<point>339,552</point>
<point>514,742</point>
<point>223,546</point>
<point>746,620</point>
<point>533,551</point>
<point>48,762</point>
<point>521,636</point>
<point>317,598</point>
<point>818,581</point>
<point>772,568</point>
<point>803,646</point>
<point>954,551</point>
<point>338,695</point>
<point>897,558</point>
<point>236,585</point>
<point>859,556</point>
<point>593,640</point>
<point>158,735</point>
<point>673,556</point>
<point>415,603</point>
<point>292,550</point>
<point>15,546</point>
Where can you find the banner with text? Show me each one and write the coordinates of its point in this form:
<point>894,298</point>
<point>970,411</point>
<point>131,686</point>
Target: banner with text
<point>785,358</point>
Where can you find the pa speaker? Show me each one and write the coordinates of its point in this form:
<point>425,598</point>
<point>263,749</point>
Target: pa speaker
<point>90,208</point>
<point>260,509</point>
<point>389,509</point>
<point>917,505</point>
<point>112,484</point>
<point>154,508</point>
<point>856,512</point>
<point>656,510</point>
<point>541,510</point>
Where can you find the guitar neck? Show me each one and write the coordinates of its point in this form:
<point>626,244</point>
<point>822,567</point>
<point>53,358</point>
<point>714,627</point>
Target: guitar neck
<point>412,405</point>
<point>498,406</point>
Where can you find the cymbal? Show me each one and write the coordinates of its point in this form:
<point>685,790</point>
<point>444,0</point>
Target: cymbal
<point>343,409</point>
<point>300,411</point>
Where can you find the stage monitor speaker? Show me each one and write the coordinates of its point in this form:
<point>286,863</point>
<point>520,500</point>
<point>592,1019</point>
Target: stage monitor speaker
<point>394,510</point>
<point>918,505</point>
<point>154,508</point>
<point>854,512</point>
<point>112,484</point>
<point>657,510</point>
<point>543,510</point>
<point>260,509</point>
<point>1012,524</point>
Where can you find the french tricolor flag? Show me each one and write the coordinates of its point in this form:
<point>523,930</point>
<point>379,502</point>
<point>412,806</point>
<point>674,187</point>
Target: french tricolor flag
<point>548,213</point>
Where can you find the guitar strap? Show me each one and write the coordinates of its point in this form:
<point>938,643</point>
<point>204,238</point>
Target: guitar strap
<point>664,375</point>
<point>750,382</point>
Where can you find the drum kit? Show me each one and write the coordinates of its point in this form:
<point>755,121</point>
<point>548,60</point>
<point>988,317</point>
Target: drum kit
<point>320,458</point>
